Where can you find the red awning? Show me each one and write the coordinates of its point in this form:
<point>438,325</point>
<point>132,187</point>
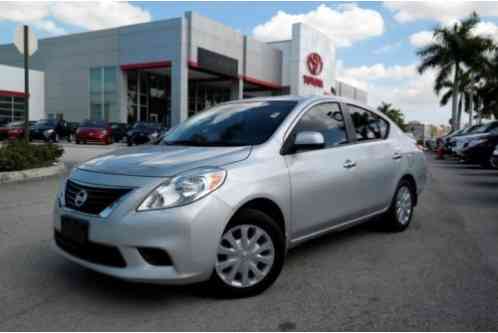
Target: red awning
<point>10,93</point>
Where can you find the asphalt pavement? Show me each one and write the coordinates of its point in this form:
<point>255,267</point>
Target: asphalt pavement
<point>440,274</point>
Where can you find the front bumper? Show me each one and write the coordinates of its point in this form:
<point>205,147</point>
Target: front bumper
<point>92,138</point>
<point>189,235</point>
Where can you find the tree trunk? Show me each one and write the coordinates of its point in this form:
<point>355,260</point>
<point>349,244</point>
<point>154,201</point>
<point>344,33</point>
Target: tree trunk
<point>459,111</point>
<point>454,102</point>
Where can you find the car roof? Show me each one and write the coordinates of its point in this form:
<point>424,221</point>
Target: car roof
<point>310,98</point>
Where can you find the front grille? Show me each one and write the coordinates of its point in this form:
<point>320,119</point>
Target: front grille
<point>97,199</point>
<point>91,252</point>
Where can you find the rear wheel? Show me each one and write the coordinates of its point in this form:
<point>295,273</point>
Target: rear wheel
<point>400,213</point>
<point>250,255</point>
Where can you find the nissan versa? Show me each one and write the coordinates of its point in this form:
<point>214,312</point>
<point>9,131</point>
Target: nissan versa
<point>227,192</point>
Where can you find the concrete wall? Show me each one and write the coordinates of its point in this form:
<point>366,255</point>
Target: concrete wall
<point>12,79</point>
<point>285,49</point>
<point>150,42</point>
<point>346,90</point>
<point>206,33</point>
<point>66,62</point>
<point>262,61</point>
<point>306,40</point>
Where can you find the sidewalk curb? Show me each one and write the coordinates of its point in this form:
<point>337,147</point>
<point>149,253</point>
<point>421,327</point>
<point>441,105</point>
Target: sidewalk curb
<point>18,176</point>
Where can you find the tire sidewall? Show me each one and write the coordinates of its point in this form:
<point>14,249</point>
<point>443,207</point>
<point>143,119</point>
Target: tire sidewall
<point>263,221</point>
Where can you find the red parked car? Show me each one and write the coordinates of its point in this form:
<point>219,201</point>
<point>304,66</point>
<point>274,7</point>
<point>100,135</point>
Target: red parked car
<point>4,130</point>
<point>94,131</point>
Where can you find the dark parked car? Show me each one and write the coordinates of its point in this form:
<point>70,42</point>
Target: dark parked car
<point>142,133</point>
<point>494,158</point>
<point>118,131</point>
<point>94,131</point>
<point>50,130</point>
<point>480,145</point>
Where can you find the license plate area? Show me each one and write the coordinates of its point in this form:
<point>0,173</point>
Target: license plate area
<point>75,230</point>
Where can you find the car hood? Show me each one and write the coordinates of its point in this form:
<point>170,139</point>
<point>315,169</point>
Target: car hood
<point>163,161</point>
<point>42,128</point>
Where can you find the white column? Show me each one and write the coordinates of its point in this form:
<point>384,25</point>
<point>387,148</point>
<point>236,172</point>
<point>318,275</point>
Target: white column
<point>179,79</point>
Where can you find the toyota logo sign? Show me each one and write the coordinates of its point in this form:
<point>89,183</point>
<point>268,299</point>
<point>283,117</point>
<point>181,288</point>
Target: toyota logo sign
<point>315,63</point>
<point>80,198</point>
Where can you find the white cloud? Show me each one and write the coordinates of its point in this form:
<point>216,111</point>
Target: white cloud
<point>379,72</point>
<point>483,29</point>
<point>421,38</point>
<point>445,12</point>
<point>400,85</point>
<point>34,14</point>
<point>46,16</point>
<point>487,29</point>
<point>99,15</point>
<point>344,24</point>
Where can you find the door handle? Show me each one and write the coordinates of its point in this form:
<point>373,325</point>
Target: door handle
<point>349,164</point>
<point>397,156</point>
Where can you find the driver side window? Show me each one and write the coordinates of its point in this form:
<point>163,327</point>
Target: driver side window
<point>328,119</point>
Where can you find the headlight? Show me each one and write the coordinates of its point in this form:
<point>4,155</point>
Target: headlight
<point>48,132</point>
<point>61,198</point>
<point>184,189</point>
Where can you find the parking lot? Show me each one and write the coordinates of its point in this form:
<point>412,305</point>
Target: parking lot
<point>441,274</point>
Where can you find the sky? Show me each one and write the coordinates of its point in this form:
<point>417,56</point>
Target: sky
<point>376,41</point>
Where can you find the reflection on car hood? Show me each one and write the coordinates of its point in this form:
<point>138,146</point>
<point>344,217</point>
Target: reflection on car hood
<point>162,161</point>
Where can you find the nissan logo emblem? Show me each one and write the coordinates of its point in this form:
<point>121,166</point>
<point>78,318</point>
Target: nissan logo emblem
<point>80,198</point>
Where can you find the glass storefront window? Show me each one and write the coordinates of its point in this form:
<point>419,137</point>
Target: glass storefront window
<point>103,94</point>
<point>11,109</point>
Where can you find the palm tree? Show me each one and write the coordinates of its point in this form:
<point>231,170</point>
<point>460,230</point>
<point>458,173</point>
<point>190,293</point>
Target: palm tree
<point>393,113</point>
<point>466,90</point>
<point>453,48</point>
<point>487,90</point>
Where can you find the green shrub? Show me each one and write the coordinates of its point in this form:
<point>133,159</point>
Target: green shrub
<point>20,155</point>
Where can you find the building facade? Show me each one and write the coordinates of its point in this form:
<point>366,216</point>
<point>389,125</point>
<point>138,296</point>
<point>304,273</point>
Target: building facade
<point>166,71</point>
<point>12,97</point>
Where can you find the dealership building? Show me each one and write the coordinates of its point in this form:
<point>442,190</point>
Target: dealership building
<point>168,70</point>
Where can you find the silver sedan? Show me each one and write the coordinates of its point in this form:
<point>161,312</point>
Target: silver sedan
<point>227,192</point>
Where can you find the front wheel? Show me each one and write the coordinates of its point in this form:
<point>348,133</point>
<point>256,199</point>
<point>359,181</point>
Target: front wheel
<point>400,213</point>
<point>250,255</point>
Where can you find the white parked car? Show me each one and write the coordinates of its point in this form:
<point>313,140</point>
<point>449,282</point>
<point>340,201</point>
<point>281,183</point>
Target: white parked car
<point>227,193</point>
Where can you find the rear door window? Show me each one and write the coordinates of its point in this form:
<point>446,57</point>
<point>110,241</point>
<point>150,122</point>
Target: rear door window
<point>368,125</point>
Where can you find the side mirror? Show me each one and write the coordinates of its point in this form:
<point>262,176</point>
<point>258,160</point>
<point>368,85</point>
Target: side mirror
<point>307,140</point>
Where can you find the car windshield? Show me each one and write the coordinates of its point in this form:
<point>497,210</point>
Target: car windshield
<point>45,122</point>
<point>232,124</point>
<point>145,125</point>
<point>93,124</point>
<point>486,127</point>
<point>470,129</point>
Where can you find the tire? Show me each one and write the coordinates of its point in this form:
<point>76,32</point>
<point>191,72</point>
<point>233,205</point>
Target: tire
<point>227,280</point>
<point>77,142</point>
<point>395,221</point>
